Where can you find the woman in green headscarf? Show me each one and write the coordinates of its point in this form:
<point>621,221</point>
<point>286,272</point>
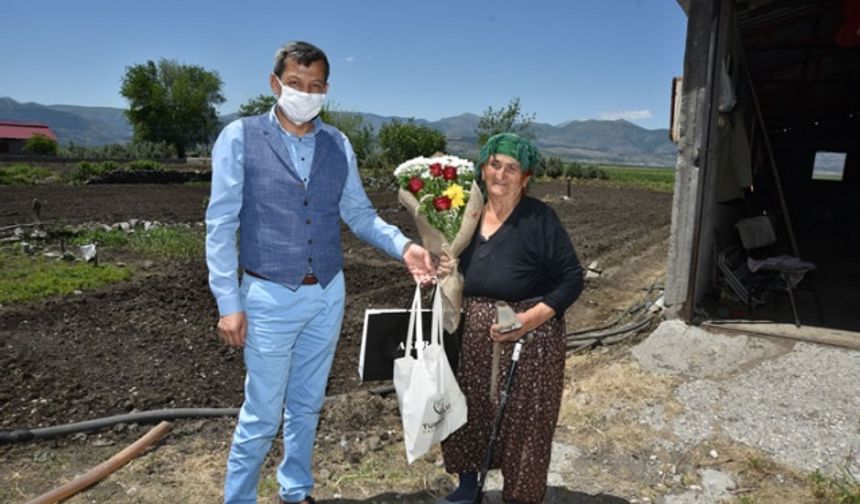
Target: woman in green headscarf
<point>520,254</point>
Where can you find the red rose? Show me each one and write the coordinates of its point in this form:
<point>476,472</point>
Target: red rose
<point>442,203</point>
<point>450,172</point>
<point>436,169</point>
<point>415,184</point>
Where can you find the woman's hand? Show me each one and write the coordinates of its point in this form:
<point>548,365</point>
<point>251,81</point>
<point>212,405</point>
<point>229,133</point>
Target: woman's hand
<point>445,265</point>
<point>531,319</point>
<point>514,335</point>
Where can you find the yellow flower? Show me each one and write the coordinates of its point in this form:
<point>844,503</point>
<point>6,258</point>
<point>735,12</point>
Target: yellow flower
<point>456,194</point>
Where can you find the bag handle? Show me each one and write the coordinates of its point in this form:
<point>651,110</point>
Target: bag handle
<point>437,323</point>
<point>415,325</point>
<point>436,338</point>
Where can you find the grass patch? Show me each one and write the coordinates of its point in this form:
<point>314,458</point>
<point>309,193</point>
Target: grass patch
<point>268,487</point>
<point>175,243</point>
<point>170,242</point>
<point>145,165</point>
<point>89,170</point>
<point>25,174</point>
<point>24,278</point>
<point>760,465</point>
<point>386,470</point>
<point>655,179</point>
<point>841,489</point>
<point>114,238</point>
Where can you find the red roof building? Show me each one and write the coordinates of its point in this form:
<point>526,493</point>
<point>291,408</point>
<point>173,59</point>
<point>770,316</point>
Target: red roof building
<point>13,135</point>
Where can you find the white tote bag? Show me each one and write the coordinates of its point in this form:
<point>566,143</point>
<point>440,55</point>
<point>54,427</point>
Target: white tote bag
<point>432,406</point>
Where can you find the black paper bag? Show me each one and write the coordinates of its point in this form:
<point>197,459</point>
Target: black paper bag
<point>384,339</point>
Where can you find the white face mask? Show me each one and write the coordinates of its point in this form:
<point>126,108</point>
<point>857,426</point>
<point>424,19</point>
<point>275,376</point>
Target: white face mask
<point>299,107</point>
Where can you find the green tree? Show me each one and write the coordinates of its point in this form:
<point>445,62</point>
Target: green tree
<point>506,119</point>
<point>573,170</point>
<point>401,141</point>
<point>41,144</point>
<point>172,102</point>
<point>133,150</point>
<point>258,105</point>
<point>554,167</point>
<point>352,125</point>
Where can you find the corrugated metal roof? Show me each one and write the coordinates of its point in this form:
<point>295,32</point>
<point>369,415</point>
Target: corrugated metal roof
<point>799,71</point>
<point>780,23</point>
<point>23,131</point>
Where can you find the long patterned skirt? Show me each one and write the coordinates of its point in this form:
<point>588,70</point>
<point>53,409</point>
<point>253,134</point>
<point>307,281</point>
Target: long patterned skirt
<point>524,441</point>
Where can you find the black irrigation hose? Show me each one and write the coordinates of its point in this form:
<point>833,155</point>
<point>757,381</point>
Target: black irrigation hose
<point>25,435</point>
<point>644,305</point>
<point>607,325</point>
<point>599,339</point>
<point>631,327</point>
<point>573,351</point>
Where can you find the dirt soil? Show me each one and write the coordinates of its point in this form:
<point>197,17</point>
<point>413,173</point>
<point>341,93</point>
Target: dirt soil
<point>149,343</point>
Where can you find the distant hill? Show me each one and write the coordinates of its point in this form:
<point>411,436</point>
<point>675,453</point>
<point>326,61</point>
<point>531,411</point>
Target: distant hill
<point>592,140</point>
<point>618,141</point>
<point>81,125</point>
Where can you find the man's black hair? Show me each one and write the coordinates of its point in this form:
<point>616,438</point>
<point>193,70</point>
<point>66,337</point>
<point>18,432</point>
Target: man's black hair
<point>303,53</point>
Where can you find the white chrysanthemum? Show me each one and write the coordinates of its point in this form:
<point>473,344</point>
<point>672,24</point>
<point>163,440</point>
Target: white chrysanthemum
<point>420,166</point>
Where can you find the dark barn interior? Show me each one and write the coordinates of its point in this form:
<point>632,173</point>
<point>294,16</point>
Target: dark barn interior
<point>783,141</point>
<point>805,63</point>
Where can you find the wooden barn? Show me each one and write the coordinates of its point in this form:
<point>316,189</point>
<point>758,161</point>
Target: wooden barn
<point>766,214</point>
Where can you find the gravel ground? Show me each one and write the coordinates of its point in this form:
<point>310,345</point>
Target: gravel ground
<point>801,407</point>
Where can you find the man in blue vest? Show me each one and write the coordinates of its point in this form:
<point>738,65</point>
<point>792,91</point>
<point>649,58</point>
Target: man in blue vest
<point>284,179</point>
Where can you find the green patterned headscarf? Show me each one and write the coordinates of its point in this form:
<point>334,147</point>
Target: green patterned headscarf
<point>512,145</point>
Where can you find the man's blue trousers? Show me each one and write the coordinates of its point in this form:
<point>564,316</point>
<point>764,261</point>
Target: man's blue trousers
<point>290,343</point>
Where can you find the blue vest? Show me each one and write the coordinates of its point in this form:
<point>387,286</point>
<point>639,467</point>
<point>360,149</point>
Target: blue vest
<point>286,229</point>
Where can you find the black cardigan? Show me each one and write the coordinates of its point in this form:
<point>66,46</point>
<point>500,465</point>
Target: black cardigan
<point>529,256</point>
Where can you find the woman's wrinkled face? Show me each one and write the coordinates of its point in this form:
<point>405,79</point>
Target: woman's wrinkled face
<point>503,177</point>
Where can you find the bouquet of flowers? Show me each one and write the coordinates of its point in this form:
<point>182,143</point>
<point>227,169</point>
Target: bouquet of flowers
<point>441,196</point>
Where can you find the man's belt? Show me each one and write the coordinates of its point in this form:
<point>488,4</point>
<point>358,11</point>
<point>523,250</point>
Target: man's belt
<point>308,279</point>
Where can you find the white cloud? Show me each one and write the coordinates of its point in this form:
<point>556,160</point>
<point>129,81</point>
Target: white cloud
<point>350,59</point>
<point>630,115</point>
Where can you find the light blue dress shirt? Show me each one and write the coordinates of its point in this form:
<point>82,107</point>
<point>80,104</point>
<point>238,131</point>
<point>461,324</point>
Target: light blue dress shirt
<point>225,202</point>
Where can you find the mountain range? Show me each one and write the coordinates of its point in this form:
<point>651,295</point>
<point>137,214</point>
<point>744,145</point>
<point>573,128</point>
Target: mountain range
<point>592,140</point>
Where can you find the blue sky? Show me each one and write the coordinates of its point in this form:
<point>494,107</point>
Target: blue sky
<point>565,59</point>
